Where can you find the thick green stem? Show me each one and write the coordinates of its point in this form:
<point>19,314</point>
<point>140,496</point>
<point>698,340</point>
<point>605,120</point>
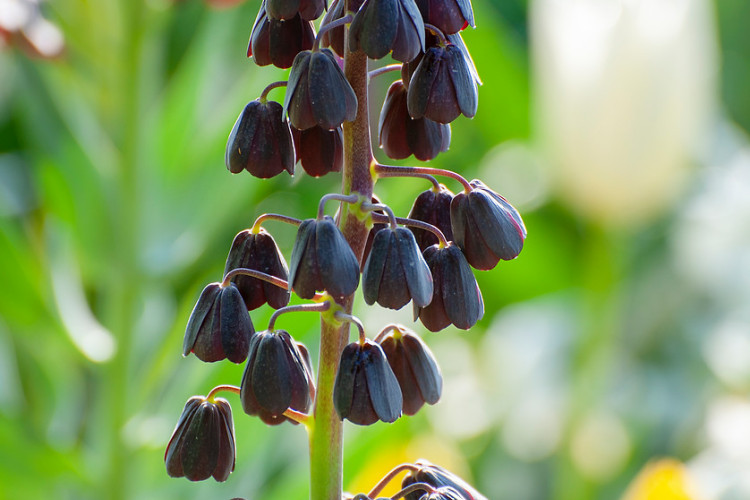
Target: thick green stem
<point>326,434</point>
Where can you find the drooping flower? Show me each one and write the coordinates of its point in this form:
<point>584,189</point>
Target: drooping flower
<point>277,377</point>
<point>318,93</point>
<point>366,390</point>
<point>449,16</point>
<point>415,368</point>
<point>439,478</point>
<point>400,135</point>
<point>382,26</point>
<point>260,141</point>
<point>219,326</point>
<point>258,251</point>
<point>456,298</point>
<point>433,207</point>
<point>395,271</point>
<point>322,260</point>
<point>202,443</point>
<point>319,151</point>
<point>278,42</point>
<point>486,227</point>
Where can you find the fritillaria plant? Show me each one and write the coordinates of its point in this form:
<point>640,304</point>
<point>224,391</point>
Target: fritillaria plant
<point>425,259</point>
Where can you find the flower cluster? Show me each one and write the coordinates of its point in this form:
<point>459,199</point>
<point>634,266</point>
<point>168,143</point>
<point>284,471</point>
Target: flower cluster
<point>426,259</point>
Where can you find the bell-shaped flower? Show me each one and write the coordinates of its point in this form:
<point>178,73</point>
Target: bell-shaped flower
<point>442,86</point>
<point>309,10</point>
<point>433,207</point>
<point>449,16</point>
<point>219,326</point>
<point>258,251</point>
<point>456,298</point>
<point>318,93</point>
<point>277,377</point>
<point>202,444</point>
<point>439,478</point>
<point>366,390</point>
<point>415,368</point>
<point>445,493</point>
<point>322,260</point>
<point>400,135</point>
<point>278,42</point>
<point>486,227</point>
<point>260,141</point>
<point>334,38</point>
<point>382,26</point>
<point>319,150</point>
<point>395,271</point>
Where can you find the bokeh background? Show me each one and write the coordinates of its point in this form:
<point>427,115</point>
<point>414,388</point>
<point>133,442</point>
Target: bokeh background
<point>613,361</point>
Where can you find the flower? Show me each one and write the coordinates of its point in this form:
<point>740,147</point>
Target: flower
<point>277,377</point>
<point>439,478</point>
<point>415,368</point>
<point>456,296</point>
<point>278,42</point>
<point>382,26</point>
<point>322,260</point>
<point>450,16</point>
<point>433,207</point>
<point>366,390</point>
<point>202,443</point>
<point>219,326</point>
<point>486,227</point>
<point>319,150</point>
<point>318,93</point>
<point>400,135</point>
<point>395,271</point>
<point>260,141</point>
<point>258,251</point>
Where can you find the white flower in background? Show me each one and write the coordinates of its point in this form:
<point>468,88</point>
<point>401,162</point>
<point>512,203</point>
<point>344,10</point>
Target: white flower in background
<point>22,23</point>
<point>623,92</point>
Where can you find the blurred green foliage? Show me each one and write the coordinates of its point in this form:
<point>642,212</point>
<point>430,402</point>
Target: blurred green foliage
<point>116,209</point>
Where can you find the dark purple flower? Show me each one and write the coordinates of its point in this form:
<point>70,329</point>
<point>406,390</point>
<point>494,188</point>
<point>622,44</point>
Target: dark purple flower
<point>366,390</point>
<point>319,150</point>
<point>260,141</point>
<point>382,26</point>
<point>401,135</point>
<point>258,251</point>
<point>278,42</point>
<point>456,298</point>
<point>318,93</point>
<point>438,478</point>
<point>202,443</point>
<point>395,271</point>
<point>335,38</point>
<point>486,227</point>
<point>443,86</point>
<point>322,260</point>
<point>433,207</point>
<point>277,377</point>
<point>219,326</point>
<point>415,368</point>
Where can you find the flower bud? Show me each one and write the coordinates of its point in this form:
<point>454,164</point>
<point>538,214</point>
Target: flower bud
<point>382,26</point>
<point>443,86</point>
<point>202,444</point>
<point>259,252</point>
<point>400,135</point>
<point>395,271</point>
<point>415,368</point>
<point>278,42</point>
<point>260,141</point>
<point>318,93</point>
<point>456,298</point>
<point>322,260</point>
<point>432,207</point>
<point>319,150</point>
<point>486,227</point>
<point>276,377</point>
<point>219,326</point>
<point>439,478</point>
<point>366,390</point>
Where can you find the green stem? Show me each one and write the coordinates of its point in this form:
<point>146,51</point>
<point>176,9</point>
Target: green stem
<point>326,432</point>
